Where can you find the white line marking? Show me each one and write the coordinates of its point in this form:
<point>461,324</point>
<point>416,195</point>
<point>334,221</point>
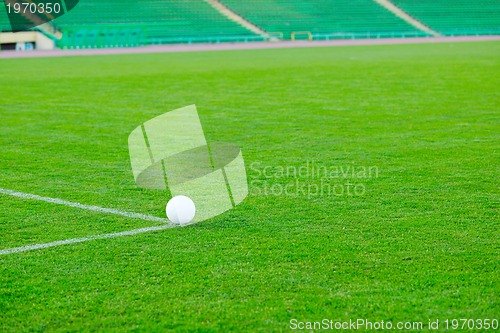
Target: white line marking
<point>387,4</point>
<point>85,207</point>
<point>83,239</point>
<point>82,206</point>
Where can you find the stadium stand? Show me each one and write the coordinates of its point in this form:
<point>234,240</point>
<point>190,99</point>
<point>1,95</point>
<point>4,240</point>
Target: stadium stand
<point>323,18</point>
<point>117,23</point>
<point>456,17</point>
<point>110,23</point>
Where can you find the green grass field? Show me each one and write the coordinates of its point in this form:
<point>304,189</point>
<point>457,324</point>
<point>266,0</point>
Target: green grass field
<point>420,243</point>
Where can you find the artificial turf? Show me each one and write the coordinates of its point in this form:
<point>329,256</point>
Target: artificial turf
<point>420,243</point>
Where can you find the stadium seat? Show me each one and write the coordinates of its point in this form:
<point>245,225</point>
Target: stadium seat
<point>156,22</point>
<point>115,23</point>
<point>323,18</point>
<point>456,17</point>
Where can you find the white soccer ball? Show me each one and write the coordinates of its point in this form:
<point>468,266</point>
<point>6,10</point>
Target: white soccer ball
<point>180,210</point>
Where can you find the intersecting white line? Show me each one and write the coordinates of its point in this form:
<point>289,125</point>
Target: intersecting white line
<point>85,207</point>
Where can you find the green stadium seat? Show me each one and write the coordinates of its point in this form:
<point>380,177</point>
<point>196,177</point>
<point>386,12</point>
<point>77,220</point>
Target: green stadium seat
<point>151,22</point>
<point>456,17</point>
<point>117,23</point>
<point>323,19</point>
